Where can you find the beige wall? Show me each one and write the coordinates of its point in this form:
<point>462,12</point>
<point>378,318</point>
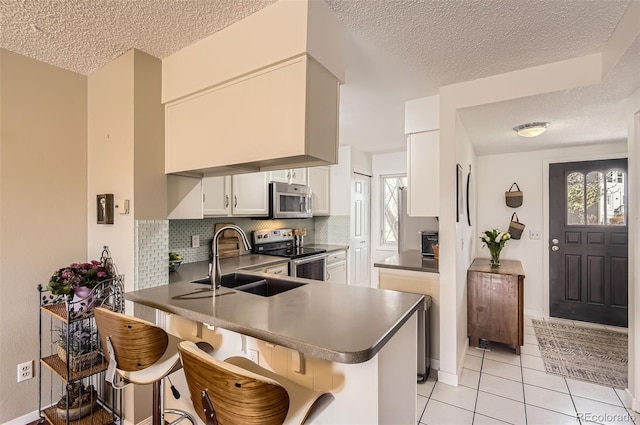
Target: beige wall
<point>110,147</point>
<point>126,158</point>
<point>43,209</point>
<point>150,182</point>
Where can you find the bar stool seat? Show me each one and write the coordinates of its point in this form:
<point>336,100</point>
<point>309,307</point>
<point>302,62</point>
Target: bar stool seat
<point>241,392</point>
<point>141,353</point>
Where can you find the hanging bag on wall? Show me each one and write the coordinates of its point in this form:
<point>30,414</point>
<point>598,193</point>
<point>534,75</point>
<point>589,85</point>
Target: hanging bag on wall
<point>515,227</point>
<point>513,197</point>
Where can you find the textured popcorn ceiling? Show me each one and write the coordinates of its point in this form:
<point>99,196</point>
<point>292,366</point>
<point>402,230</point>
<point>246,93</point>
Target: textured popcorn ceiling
<point>397,50</point>
<point>452,41</point>
<point>84,35</point>
<point>581,116</point>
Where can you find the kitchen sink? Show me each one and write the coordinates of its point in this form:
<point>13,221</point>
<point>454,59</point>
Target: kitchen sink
<point>269,287</point>
<point>253,284</point>
<point>231,280</point>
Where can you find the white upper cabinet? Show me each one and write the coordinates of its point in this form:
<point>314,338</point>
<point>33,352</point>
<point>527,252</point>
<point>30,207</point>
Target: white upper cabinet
<point>184,197</point>
<point>217,195</point>
<point>423,166</point>
<point>319,179</point>
<point>244,195</point>
<point>290,176</point>
<point>250,195</point>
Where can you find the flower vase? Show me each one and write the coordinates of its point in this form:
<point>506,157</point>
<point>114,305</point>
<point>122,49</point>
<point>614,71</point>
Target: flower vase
<point>82,299</point>
<point>495,257</point>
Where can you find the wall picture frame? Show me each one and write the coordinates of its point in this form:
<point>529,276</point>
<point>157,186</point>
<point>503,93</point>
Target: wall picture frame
<point>459,193</point>
<point>469,194</point>
<point>104,204</point>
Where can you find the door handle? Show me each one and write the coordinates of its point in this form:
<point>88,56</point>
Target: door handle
<point>555,248</point>
<point>226,201</point>
<point>235,200</point>
<point>555,241</point>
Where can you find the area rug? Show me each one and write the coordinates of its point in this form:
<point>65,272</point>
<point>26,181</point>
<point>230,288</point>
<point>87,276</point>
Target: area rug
<point>584,353</point>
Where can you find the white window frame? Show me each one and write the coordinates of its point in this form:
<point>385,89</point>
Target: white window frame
<point>391,246</point>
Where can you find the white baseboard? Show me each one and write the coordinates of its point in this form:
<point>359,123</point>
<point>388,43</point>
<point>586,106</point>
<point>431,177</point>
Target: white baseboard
<point>448,378</point>
<point>451,378</point>
<point>631,401</point>
<point>434,363</point>
<point>147,421</point>
<point>29,417</point>
<point>535,313</point>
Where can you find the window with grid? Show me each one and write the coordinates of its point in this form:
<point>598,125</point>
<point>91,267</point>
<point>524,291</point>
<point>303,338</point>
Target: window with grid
<point>390,185</point>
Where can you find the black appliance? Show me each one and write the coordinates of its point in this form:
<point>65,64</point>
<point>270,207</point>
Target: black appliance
<point>305,262</point>
<point>428,240</point>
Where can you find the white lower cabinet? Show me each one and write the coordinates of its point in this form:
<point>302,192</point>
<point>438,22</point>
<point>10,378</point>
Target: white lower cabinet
<point>239,195</point>
<point>319,179</point>
<point>281,269</point>
<point>337,267</point>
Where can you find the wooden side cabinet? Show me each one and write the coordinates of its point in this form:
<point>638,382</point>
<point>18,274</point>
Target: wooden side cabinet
<point>495,302</point>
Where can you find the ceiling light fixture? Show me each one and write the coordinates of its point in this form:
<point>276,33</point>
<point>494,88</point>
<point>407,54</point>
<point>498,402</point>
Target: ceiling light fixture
<point>531,129</point>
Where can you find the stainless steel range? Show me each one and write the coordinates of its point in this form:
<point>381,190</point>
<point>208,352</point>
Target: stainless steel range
<point>309,263</point>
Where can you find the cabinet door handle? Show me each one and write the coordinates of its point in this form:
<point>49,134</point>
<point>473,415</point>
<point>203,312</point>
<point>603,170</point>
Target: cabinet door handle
<point>226,201</point>
<point>235,200</point>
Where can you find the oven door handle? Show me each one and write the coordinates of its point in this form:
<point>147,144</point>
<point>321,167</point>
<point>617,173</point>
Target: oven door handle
<point>309,259</point>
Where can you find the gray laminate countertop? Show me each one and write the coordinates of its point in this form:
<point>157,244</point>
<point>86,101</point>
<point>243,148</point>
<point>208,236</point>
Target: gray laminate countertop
<point>340,323</point>
<point>409,260</point>
<point>192,271</point>
<point>327,247</point>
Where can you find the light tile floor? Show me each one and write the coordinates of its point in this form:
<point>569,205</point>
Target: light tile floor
<point>498,387</point>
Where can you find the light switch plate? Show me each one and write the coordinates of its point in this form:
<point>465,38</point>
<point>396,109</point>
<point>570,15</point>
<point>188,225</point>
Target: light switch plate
<point>195,241</point>
<point>534,234</point>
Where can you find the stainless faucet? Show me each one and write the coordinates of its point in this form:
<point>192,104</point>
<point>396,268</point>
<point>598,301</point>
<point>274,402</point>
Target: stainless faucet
<point>215,269</point>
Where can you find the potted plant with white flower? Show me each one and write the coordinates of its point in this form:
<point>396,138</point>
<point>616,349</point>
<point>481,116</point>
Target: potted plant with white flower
<point>495,240</point>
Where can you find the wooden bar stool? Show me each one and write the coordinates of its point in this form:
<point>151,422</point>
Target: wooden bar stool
<point>141,353</point>
<point>239,392</point>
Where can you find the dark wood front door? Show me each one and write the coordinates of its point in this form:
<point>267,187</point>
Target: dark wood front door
<point>588,241</point>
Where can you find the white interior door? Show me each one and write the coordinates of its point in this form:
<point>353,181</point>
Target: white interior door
<point>360,226</point>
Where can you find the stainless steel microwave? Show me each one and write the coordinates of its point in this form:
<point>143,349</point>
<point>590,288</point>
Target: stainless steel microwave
<point>289,200</point>
<point>429,239</point>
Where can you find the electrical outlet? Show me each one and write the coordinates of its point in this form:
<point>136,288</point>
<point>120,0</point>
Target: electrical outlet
<point>25,371</point>
<point>254,355</point>
<point>195,241</point>
<point>534,234</point>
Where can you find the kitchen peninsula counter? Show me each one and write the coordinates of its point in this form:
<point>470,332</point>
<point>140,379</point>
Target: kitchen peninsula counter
<point>409,260</point>
<point>338,323</point>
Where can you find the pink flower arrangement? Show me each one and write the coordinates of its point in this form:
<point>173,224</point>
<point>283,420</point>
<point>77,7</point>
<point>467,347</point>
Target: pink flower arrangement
<point>65,280</point>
